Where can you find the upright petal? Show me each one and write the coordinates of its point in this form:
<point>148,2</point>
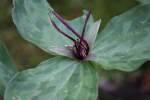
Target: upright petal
<point>91,33</point>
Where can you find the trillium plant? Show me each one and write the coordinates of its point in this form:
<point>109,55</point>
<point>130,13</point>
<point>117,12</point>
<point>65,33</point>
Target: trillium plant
<point>79,48</point>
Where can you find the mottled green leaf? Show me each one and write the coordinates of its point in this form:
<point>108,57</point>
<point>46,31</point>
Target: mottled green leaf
<point>55,79</point>
<point>31,18</point>
<point>144,1</point>
<point>124,43</point>
<point>7,69</point>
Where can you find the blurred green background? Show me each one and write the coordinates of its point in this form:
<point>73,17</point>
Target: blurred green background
<point>25,55</point>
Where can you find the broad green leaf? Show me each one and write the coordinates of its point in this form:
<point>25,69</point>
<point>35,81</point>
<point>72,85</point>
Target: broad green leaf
<point>7,69</point>
<point>54,79</point>
<point>144,1</point>
<point>124,43</point>
<point>31,18</point>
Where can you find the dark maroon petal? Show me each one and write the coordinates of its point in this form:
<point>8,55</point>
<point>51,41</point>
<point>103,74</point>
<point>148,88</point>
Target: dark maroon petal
<point>56,27</point>
<point>85,24</point>
<point>66,24</point>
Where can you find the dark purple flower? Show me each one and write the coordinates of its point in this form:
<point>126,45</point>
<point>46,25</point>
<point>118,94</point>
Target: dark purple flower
<point>80,48</point>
